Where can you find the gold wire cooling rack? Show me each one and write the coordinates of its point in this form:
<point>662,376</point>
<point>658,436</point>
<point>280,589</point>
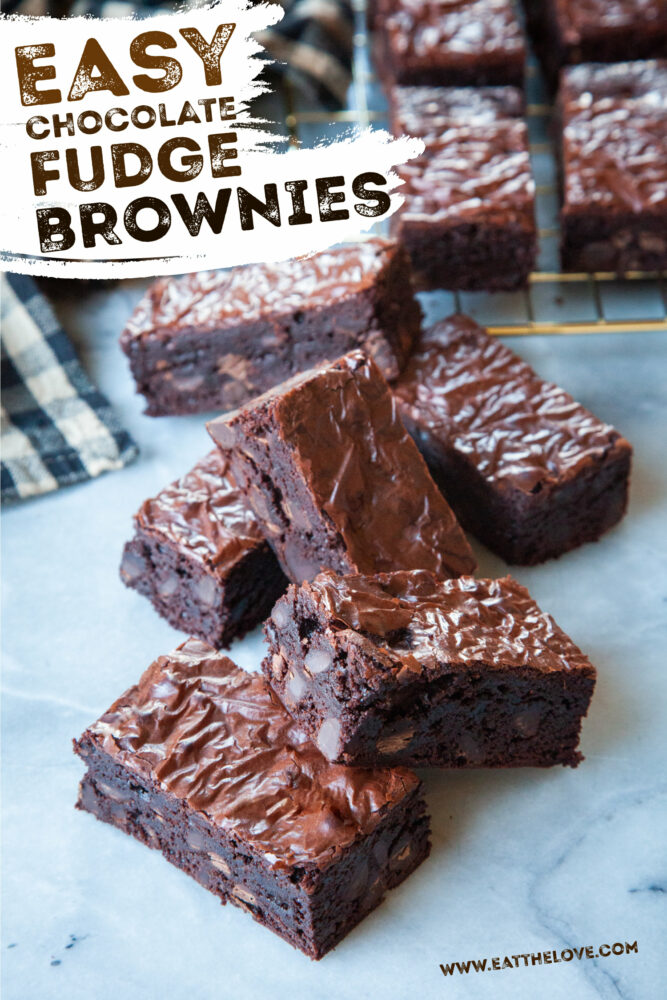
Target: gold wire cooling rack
<point>554,302</point>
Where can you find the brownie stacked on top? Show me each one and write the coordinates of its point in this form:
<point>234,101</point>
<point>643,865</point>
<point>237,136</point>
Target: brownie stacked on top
<point>289,794</point>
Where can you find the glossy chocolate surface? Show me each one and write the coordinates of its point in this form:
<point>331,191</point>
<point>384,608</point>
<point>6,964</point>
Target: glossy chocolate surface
<point>472,392</point>
<point>615,137</point>
<point>217,299</point>
<point>424,623</point>
<point>451,31</point>
<point>579,17</point>
<point>426,112</point>
<point>204,514</point>
<point>340,427</point>
<point>215,736</point>
<point>472,172</point>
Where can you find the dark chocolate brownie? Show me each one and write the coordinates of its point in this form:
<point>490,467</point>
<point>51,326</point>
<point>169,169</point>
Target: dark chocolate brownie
<point>212,340</point>
<point>335,479</point>
<point>427,112</point>
<point>403,668</point>
<point>199,556</point>
<point>449,42</point>
<point>468,218</point>
<point>567,32</point>
<point>201,762</point>
<point>614,167</point>
<point>526,468</point>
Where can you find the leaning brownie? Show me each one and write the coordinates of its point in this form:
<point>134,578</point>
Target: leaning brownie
<point>427,112</point>
<point>335,479</point>
<point>614,167</point>
<point>566,32</point>
<point>468,216</point>
<point>201,762</point>
<point>404,668</point>
<point>526,468</point>
<point>437,43</point>
<point>199,556</point>
<point>212,340</point>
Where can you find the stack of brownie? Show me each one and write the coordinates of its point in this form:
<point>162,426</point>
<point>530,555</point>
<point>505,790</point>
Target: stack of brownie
<point>331,510</point>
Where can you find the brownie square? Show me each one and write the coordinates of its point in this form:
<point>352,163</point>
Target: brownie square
<point>468,217</point>
<point>200,761</point>
<point>335,479</point>
<point>566,32</point>
<point>212,340</point>
<point>199,556</point>
<point>527,470</point>
<point>404,668</point>
<point>439,43</point>
<point>614,167</point>
<point>427,112</point>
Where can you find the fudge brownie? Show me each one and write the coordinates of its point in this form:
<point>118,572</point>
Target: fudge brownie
<point>614,167</point>
<point>449,42</point>
<point>567,32</point>
<point>404,668</point>
<point>468,215</point>
<point>199,556</point>
<point>527,470</point>
<point>212,340</point>
<point>335,479</point>
<point>427,112</point>
<point>202,762</point>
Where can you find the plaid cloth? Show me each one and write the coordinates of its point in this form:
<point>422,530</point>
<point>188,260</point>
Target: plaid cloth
<point>55,427</point>
<point>312,44</point>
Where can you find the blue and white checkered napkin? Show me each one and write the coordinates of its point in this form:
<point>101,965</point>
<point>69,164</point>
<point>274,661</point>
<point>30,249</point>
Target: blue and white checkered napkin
<point>56,427</point>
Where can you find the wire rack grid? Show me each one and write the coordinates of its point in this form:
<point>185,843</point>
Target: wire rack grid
<point>554,302</point>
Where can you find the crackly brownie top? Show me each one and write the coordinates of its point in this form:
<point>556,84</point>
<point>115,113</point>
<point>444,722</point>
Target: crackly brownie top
<point>423,622</point>
<point>472,171</point>
<point>215,736</point>
<point>448,32</point>
<point>579,18</point>
<point>340,426</point>
<point>217,299</point>
<point>426,112</point>
<point>476,396</point>
<point>615,136</point>
<point>204,513</point>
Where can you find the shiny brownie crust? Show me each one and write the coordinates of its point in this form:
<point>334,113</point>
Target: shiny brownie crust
<point>215,339</point>
<point>306,847</point>
<point>199,556</point>
<point>527,470</point>
<point>402,668</point>
<point>567,32</point>
<point>614,167</point>
<point>472,43</point>
<point>335,479</point>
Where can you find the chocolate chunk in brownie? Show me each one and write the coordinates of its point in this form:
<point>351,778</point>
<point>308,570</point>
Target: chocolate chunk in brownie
<point>335,479</point>
<point>404,668</point>
<point>199,556</point>
<point>436,43</point>
<point>614,167</point>
<point>212,340</point>
<point>527,470</point>
<point>200,761</point>
<point>567,32</point>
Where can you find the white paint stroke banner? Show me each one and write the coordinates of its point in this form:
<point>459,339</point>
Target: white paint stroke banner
<point>129,149</point>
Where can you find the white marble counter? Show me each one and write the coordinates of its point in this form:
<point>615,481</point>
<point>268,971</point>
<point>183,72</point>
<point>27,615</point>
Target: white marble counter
<point>522,861</point>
